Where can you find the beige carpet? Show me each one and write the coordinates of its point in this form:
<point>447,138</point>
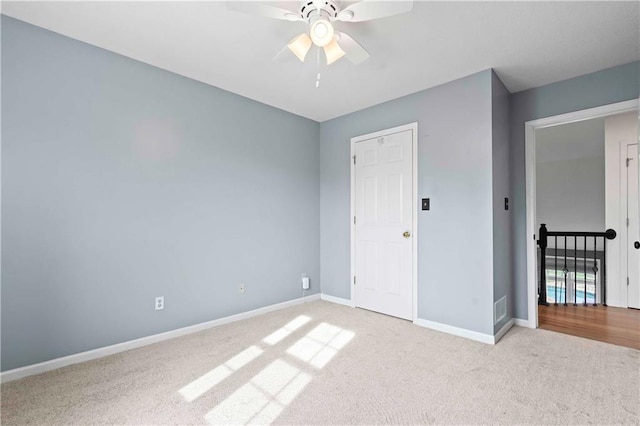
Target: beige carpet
<point>322,363</point>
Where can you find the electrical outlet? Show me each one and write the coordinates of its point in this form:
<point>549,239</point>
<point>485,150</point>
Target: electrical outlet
<point>159,303</point>
<point>241,288</point>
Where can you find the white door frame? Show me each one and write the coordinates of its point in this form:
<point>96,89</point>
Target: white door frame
<point>530,170</point>
<point>624,202</point>
<point>414,205</point>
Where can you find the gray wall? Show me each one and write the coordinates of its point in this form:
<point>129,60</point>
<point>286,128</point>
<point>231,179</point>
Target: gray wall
<point>122,182</point>
<point>570,195</point>
<point>455,248</point>
<point>502,253</point>
<point>600,88</point>
<point>570,178</point>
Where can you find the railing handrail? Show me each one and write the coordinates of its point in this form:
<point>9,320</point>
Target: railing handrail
<point>609,234</point>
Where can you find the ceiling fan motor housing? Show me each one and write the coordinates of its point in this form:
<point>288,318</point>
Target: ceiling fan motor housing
<point>311,11</point>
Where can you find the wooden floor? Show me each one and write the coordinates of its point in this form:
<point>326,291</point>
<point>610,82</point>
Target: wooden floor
<point>619,326</point>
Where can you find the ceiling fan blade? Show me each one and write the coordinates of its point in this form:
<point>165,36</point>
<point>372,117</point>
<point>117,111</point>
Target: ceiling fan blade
<point>263,9</point>
<point>354,52</point>
<point>366,10</point>
<point>300,46</point>
<point>284,55</point>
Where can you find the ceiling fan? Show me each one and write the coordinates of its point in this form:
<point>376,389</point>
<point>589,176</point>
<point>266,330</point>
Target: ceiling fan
<point>321,16</point>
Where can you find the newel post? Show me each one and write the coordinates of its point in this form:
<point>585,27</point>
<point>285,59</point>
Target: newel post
<point>542,243</point>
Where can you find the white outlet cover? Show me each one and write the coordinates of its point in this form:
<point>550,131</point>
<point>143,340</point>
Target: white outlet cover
<point>159,303</point>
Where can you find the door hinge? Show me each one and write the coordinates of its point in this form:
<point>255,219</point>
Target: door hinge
<point>627,280</point>
<point>354,280</point>
<point>628,159</point>
<point>354,160</point>
<point>354,220</point>
<point>627,222</point>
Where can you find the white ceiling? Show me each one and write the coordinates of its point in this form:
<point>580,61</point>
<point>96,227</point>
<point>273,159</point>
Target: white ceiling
<point>529,44</point>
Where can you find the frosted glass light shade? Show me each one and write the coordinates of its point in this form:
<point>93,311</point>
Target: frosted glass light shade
<point>300,46</point>
<point>333,52</point>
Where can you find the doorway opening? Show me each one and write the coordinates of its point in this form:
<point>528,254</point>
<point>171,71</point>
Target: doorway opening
<point>582,185</point>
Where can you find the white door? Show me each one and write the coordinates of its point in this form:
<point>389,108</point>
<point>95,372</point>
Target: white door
<point>383,224</point>
<point>633,230</point>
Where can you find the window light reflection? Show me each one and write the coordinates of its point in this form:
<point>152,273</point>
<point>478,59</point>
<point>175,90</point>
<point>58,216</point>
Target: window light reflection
<point>289,328</point>
<point>263,398</point>
<point>207,381</point>
<point>321,344</point>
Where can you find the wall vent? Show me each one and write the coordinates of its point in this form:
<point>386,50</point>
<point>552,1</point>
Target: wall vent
<point>499,309</point>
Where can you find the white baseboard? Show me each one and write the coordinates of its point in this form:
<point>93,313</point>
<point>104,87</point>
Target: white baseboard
<point>503,330</point>
<point>462,332</point>
<point>456,331</point>
<point>473,335</point>
<point>29,370</point>
<point>522,323</point>
<point>338,300</point>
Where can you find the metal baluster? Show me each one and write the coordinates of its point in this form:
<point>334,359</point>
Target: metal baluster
<point>595,272</point>
<point>575,270</point>
<point>585,270</point>
<point>555,269</point>
<point>566,271</point>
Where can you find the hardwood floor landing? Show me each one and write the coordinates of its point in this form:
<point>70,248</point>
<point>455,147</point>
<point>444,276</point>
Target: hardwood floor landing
<point>619,326</point>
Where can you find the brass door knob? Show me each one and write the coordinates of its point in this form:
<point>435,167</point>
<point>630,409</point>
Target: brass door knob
<point>406,234</point>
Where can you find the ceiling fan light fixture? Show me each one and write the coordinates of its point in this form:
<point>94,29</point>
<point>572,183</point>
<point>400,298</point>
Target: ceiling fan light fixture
<point>300,46</point>
<point>321,32</point>
<point>333,52</point>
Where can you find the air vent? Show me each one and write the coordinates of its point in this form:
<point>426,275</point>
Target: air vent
<point>499,309</point>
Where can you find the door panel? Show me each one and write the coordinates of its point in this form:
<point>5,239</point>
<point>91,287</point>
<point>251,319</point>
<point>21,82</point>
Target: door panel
<point>394,270</point>
<point>395,199</point>
<point>370,195</point>
<point>370,249</point>
<point>383,209</point>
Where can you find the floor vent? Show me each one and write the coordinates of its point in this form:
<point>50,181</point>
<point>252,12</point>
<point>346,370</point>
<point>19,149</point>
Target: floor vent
<point>499,310</point>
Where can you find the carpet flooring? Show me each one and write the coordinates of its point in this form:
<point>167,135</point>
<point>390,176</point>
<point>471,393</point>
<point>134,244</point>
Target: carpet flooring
<point>322,363</point>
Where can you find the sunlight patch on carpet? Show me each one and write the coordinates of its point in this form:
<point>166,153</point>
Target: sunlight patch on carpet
<point>289,328</point>
<point>263,398</point>
<point>321,344</point>
<point>207,381</point>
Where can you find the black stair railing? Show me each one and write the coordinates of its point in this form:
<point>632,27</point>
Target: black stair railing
<point>578,253</point>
